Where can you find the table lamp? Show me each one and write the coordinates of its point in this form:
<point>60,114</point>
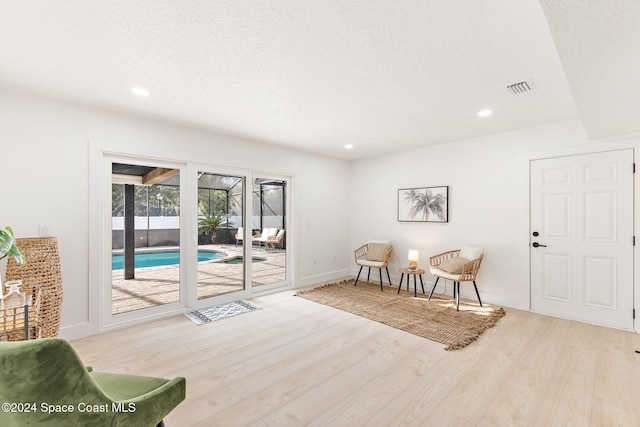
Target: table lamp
<point>413,259</point>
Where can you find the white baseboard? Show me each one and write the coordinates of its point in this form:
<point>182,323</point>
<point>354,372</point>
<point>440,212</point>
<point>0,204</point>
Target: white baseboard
<point>466,291</point>
<point>77,331</point>
<point>322,278</point>
<point>81,330</point>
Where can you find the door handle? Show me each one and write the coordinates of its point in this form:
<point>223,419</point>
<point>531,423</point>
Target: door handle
<point>538,245</point>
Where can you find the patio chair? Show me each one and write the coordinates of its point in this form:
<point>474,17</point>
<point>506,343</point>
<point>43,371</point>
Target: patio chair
<point>262,238</point>
<point>49,373</point>
<point>460,265</point>
<point>374,254</point>
<point>239,235</point>
<point>275,240</point>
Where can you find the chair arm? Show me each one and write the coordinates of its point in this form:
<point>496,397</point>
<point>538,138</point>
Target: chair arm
<point>436,260</point>
<point>470,270</point>
<point>176,384</point>
<point>156,404</point>
<point>361,252</point>
<point>387,255</point>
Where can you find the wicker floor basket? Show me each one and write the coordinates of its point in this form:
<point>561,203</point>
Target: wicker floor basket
<point>41,276</point>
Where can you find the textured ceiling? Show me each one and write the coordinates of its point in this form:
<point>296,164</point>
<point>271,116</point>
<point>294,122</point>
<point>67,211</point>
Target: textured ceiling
<point>599,45</point>
<point>382,75</point>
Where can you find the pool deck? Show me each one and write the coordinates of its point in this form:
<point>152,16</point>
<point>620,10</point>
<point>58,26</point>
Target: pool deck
<point>155,286</point>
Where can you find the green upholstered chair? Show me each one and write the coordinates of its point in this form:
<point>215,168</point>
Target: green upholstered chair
<point>44,382</point>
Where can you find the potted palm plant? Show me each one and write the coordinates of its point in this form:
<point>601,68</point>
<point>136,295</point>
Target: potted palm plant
<point>8,248</point>
<point>210,224</point>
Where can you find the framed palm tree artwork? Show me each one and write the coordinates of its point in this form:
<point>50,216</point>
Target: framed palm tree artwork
<point>425,204</point>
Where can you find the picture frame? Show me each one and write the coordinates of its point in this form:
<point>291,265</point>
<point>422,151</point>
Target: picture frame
<point>423,204</point>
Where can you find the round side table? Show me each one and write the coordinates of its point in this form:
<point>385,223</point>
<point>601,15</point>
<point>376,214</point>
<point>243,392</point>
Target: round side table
<point>417,272</point>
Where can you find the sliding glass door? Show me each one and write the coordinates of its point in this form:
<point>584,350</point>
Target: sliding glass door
<point>220,208</point>
<point>145,236</point>
<point>184,236</point>
<point>270,233</point>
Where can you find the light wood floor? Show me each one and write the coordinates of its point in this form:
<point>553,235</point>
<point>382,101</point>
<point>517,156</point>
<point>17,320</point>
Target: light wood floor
<point>297,363</point>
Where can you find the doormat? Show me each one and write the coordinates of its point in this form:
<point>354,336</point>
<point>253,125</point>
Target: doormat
<point>210,314</point>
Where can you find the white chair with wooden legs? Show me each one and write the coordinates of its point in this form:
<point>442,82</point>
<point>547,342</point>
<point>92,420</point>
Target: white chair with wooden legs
<point>239,235</point>
<point>460,265</point>
<point>264,236</point>
<point>374,254</point>
<point>275,240</point>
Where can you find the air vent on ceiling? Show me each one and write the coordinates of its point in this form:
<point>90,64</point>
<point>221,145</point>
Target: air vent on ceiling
<point>520,87</point>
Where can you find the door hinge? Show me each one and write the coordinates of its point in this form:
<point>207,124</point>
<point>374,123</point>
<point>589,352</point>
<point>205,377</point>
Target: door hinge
<point>634,168</point>
<point>634,313</point>
<point>634,240</point>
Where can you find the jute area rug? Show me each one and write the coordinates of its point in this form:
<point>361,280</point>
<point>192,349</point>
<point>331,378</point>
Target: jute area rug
<point>436,320</point>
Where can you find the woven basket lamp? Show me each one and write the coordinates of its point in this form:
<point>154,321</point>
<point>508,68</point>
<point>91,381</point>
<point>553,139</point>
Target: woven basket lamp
<point>41,277</point>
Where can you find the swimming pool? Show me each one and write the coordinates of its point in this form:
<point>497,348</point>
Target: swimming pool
<point>164,257</point>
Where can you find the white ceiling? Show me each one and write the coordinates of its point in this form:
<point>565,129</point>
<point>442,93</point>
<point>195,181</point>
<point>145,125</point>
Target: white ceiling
<point>383,75</point>
<point>599,45</point>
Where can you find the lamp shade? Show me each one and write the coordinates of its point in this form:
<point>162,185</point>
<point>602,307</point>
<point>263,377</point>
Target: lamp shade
<point>413,255</point>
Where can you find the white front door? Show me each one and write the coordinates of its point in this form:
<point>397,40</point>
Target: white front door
<point>582,237</point>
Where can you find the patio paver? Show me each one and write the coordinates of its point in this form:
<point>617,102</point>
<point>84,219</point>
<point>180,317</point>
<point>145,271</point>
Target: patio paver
<point>155,286</point>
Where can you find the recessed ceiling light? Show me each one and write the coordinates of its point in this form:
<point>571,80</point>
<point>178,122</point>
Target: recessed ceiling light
<point>484,113</point>
<point>140,91</point>
<point>348,146</point>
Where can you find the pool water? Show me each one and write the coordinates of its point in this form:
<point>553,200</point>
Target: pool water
<point>158,258</point>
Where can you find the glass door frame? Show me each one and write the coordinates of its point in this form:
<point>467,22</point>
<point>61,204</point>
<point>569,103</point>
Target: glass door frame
<point>192,249</point>
<point>288,241</point>
<point>101,158</point>
<point>107,319</point>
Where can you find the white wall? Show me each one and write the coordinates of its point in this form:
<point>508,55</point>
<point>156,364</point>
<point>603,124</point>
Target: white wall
<point>337,206</point>
<point>44,179</point>
<point>488,181</point>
